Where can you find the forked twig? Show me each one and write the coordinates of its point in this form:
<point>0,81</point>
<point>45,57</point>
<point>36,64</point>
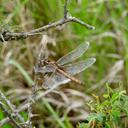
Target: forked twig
<point>27,103</point>
<point>65,9</point>
<point>8,35</point>
<point>11,106</point>
<point>7,113</point>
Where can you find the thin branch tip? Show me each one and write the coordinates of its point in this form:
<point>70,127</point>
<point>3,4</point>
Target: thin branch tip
<point>8,35</point>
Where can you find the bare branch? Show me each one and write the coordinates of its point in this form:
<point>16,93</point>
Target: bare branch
<point>29,123</point>
<point>9,115</point>
<point>27,103</point>
<point>23,35</point>
<point>76,20</point>
<point>3,97</point>
<point>7,35</point>
<point>65,9</point>
<point>11,106</point>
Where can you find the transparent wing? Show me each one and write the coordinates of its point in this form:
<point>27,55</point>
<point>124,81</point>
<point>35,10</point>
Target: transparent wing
<point>73,69</point>
<point>57,79</point>
<point>44,69</point>
<point>73,55</point>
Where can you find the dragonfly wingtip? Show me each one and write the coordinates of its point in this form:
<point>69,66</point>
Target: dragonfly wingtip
<point>94,59</point>
<point>87,43</point>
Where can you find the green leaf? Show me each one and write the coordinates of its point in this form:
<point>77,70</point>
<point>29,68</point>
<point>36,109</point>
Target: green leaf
<point>105,96</point>
<point>54,114</point>
<point>116,114</point>
<point>82,125</point>
<point>95,116</point>
<point>107,125</point>
<point>115,96</point>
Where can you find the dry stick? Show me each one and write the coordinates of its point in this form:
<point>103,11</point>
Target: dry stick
<point>29,116</point>
<point>28,123</point>
<point>23,35</point>
<point>26,104</point>
<point>9,115</point>
<point>65,9</point>
<point>11,106</point>
<point>4,98</point>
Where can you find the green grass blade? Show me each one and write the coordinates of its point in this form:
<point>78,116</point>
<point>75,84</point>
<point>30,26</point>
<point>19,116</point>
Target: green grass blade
<point>22,71</point>
<point>55,115</point>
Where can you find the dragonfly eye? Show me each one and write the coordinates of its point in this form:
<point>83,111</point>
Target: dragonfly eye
<point>47,73</point>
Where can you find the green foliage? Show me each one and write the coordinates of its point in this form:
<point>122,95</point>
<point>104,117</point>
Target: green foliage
<point>109,112</point>
<point>82,125</point>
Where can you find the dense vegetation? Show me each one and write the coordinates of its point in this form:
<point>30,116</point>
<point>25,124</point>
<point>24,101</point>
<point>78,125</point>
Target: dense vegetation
<point>102,101</point>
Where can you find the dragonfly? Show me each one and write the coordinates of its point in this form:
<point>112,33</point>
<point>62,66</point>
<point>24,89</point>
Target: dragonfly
<point>63,70</point>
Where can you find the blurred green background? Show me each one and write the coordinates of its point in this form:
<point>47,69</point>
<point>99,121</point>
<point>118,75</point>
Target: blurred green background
<point>108,44</point>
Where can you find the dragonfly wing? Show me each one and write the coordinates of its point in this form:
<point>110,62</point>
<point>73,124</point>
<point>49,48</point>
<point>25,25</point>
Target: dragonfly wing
<point>45,69</point>
<point>78,67</point>
<point>55,80</point>
<point>73,55</point>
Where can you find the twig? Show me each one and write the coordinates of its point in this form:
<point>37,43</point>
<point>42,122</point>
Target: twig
<point>23,35</point>
<point>28,123</point>
<point>7,35</point>
<point>25,105</point>
<point>4,98</point>
<point>65,9</point>
<point>29,116</point>
<point>11,106</point>
<point>9,115</point>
